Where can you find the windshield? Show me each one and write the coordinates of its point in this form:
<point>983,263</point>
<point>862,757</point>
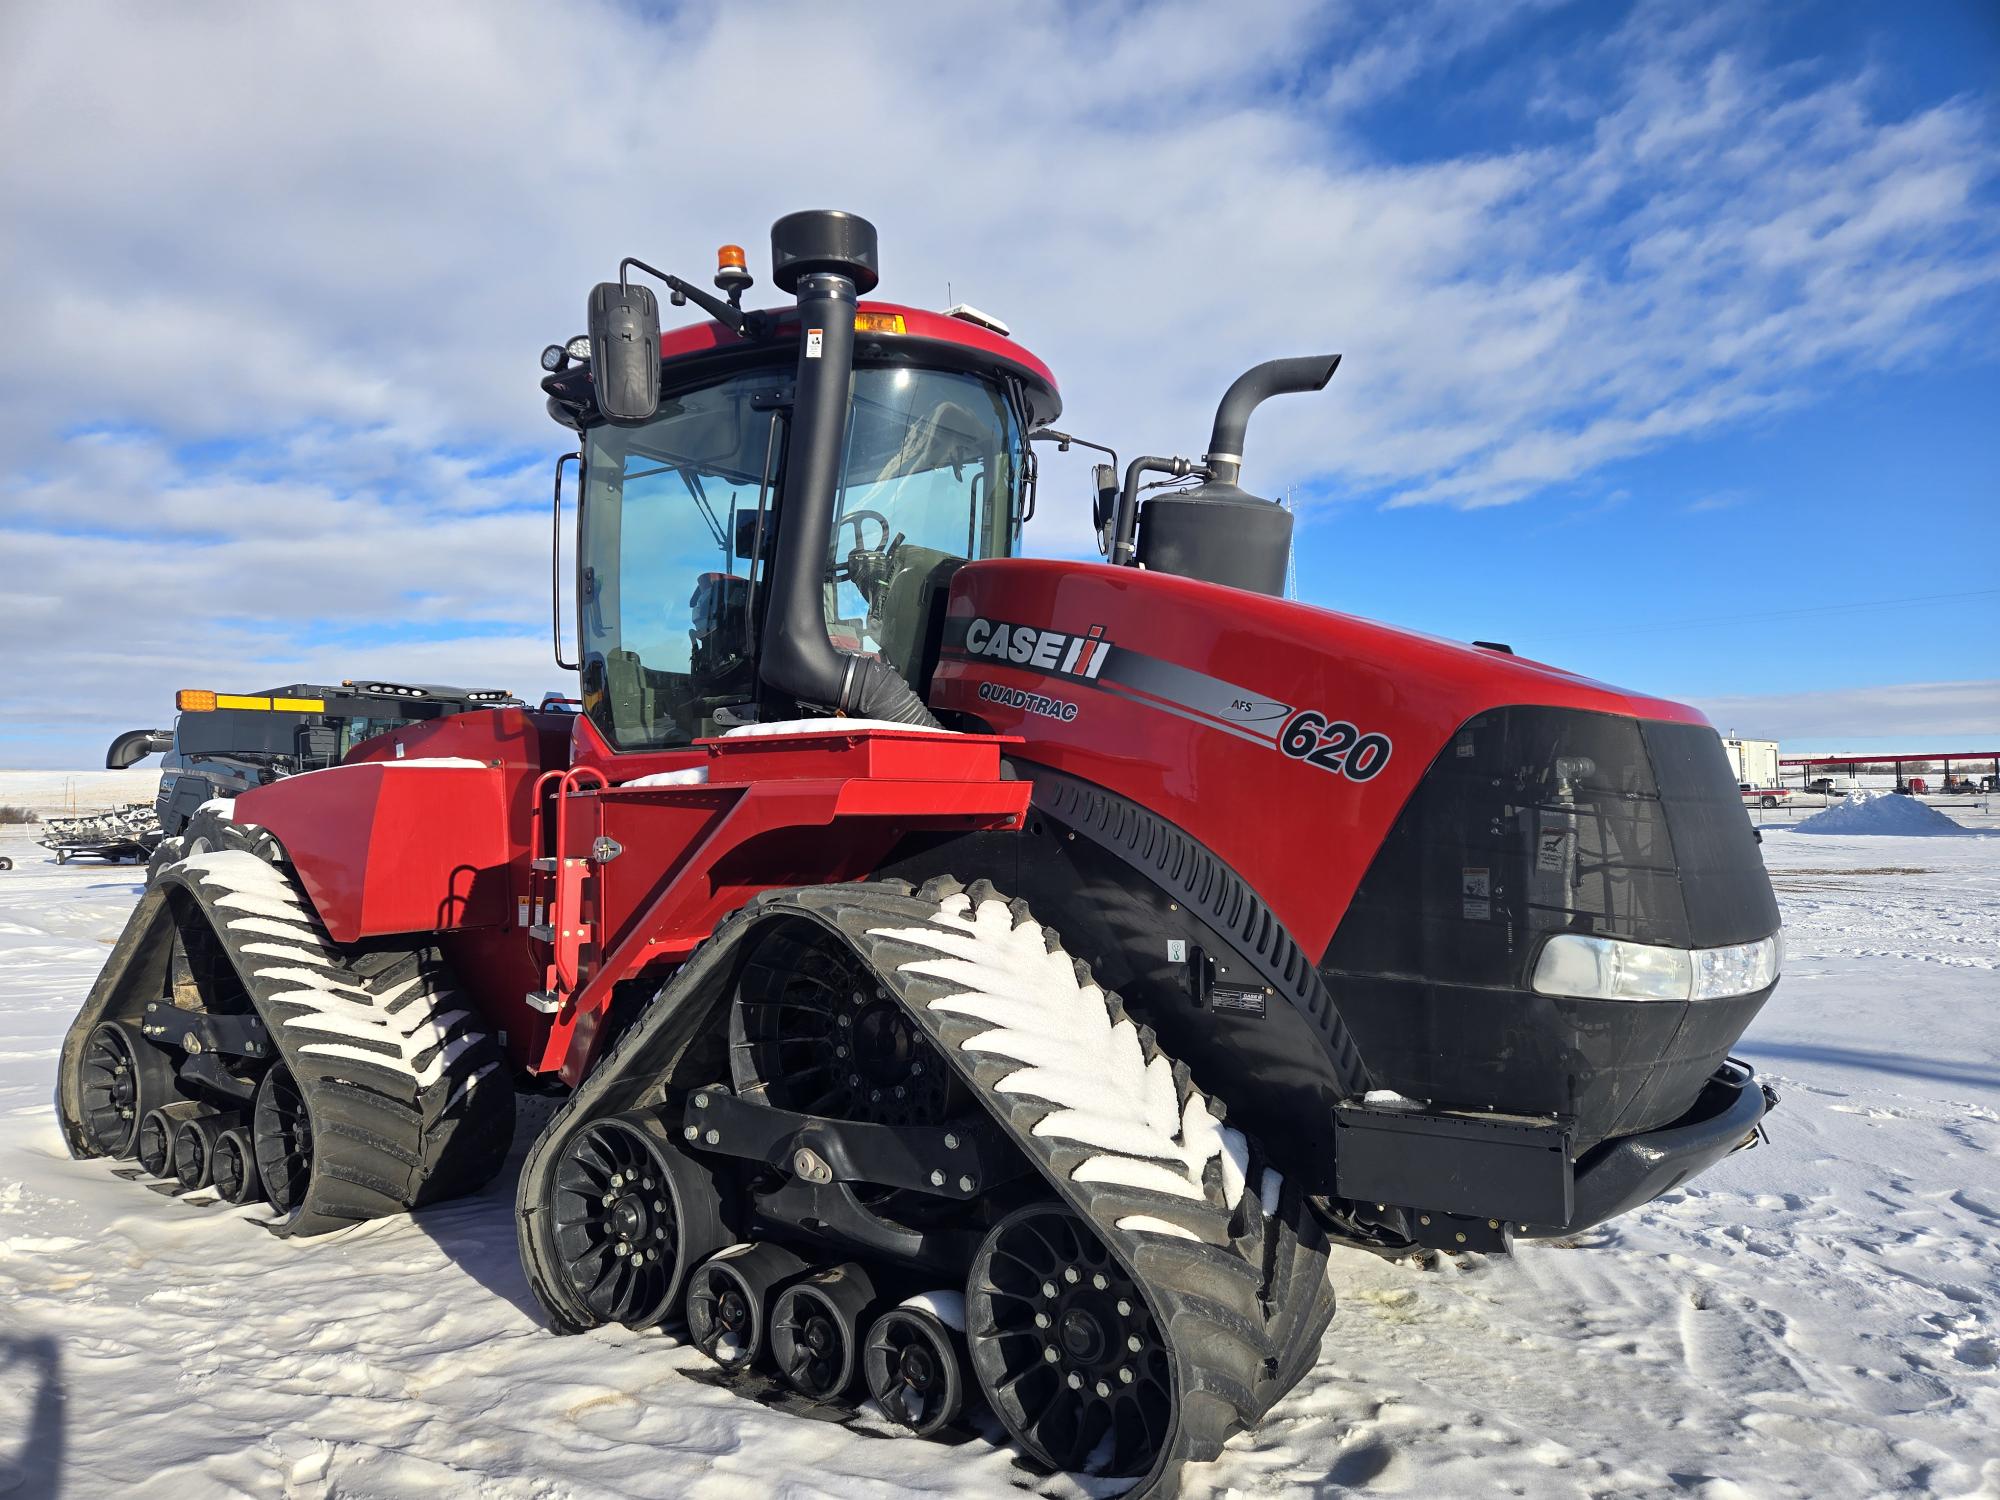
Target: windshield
<point>678,525</point>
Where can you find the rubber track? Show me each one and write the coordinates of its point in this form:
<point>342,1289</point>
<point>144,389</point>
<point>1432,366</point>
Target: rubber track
<point>1244,1302</point>
<point>409,1095</point>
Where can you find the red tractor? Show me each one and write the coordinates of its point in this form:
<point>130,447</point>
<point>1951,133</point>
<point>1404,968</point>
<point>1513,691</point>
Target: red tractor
<point>1462,940</point>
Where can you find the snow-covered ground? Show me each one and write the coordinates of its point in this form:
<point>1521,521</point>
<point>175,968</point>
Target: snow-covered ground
<point>1818,1318</point>
<point>60,793</point>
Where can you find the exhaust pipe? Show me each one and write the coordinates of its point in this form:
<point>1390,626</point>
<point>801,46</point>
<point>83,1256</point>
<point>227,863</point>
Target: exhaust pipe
<point>1256,385</point>
<point>826,259</point>
<point>1218,532</point>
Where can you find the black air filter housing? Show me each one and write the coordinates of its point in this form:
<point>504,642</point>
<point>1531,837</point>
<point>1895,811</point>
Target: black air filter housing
<point>1219,534</point>
<point>824,239</point>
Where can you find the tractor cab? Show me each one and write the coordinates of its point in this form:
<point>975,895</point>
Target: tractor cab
<point>681,515</point>
<point>687,500</point>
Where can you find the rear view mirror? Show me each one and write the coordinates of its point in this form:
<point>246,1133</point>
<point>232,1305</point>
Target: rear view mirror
<point>625,350</point>
<point>1104,503</point>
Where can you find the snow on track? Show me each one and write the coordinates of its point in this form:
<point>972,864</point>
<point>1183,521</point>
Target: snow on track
<point>1817,1318</point>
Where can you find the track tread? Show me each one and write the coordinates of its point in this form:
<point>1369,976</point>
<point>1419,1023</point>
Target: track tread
<point>1246,1300</point>
<point>409,1094</point>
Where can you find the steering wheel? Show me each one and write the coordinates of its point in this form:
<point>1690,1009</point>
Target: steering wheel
<point>840,570</point>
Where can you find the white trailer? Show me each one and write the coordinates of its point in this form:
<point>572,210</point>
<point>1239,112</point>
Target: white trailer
<point>1756,761</point>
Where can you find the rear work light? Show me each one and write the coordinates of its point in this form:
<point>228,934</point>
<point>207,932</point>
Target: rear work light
<point>1595,968</point>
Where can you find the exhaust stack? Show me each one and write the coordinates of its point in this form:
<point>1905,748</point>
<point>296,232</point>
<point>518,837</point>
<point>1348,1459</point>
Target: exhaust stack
<point>1256,385</point>
<point>1218,531</point>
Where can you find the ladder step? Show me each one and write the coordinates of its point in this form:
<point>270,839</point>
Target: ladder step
<point>544,1002</point>
<point>541,932</point>
<point>543,866</point>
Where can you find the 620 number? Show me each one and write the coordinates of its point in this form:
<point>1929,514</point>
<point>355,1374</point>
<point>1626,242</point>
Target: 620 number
<point>1335,745</point>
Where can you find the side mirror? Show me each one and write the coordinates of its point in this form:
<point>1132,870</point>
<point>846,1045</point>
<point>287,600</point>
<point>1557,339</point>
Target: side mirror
<point>625,350</point>
<point>1105,505</point>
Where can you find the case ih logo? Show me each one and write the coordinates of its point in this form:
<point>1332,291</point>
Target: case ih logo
<point>1044,650</point>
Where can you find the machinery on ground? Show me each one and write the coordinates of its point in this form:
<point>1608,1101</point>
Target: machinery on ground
<point>114,835</point>
<point>225,743</point>
<point>973,977</point>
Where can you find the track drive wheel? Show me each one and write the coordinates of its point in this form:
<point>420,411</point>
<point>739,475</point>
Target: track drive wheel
<point>633,1214</point>
<point>125,1078</point>
<point>1064,1347</point>
<point>167,852</point>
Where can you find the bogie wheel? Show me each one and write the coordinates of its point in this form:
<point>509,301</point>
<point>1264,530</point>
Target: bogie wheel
<point>235,1167</point>
<point>816,1328</point>
<point>729,1297</point>
<point>194,1149</point>
<point>156,1135</point>
<point>1064,1347</point>
<point>125,1078</point>
<point>915,1366</point>
<point>281,1139</point>
<point>632,1214</point>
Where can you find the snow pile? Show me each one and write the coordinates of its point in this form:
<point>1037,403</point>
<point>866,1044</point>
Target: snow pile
<point>1879,812</point>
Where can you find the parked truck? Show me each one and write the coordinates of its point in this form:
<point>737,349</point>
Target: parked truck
<point>1756,765</point>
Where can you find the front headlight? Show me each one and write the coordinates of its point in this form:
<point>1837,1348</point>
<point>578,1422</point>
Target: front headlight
<point>1721,972</point>
<point>1596,968</point>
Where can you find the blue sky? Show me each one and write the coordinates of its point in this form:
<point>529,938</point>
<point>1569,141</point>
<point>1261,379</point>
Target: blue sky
<point>1667,329</point>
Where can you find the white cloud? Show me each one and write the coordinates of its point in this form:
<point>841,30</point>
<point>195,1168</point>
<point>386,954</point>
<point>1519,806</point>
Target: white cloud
<point>344,233</point>
<point>1944,715</point>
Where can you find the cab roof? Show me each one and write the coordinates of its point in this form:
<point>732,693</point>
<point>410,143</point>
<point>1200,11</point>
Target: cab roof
<point>883,329</point>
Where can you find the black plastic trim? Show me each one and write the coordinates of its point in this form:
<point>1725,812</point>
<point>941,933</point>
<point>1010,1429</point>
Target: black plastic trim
<point>1194,875</point>
<point>1621,1175</point>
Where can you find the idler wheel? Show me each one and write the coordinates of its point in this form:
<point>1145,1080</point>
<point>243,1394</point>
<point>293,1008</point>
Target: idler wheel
<point>281,1139</point>
<point>632,1214</point>
<point>123,1078</point>
<point>1065,1348</point>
